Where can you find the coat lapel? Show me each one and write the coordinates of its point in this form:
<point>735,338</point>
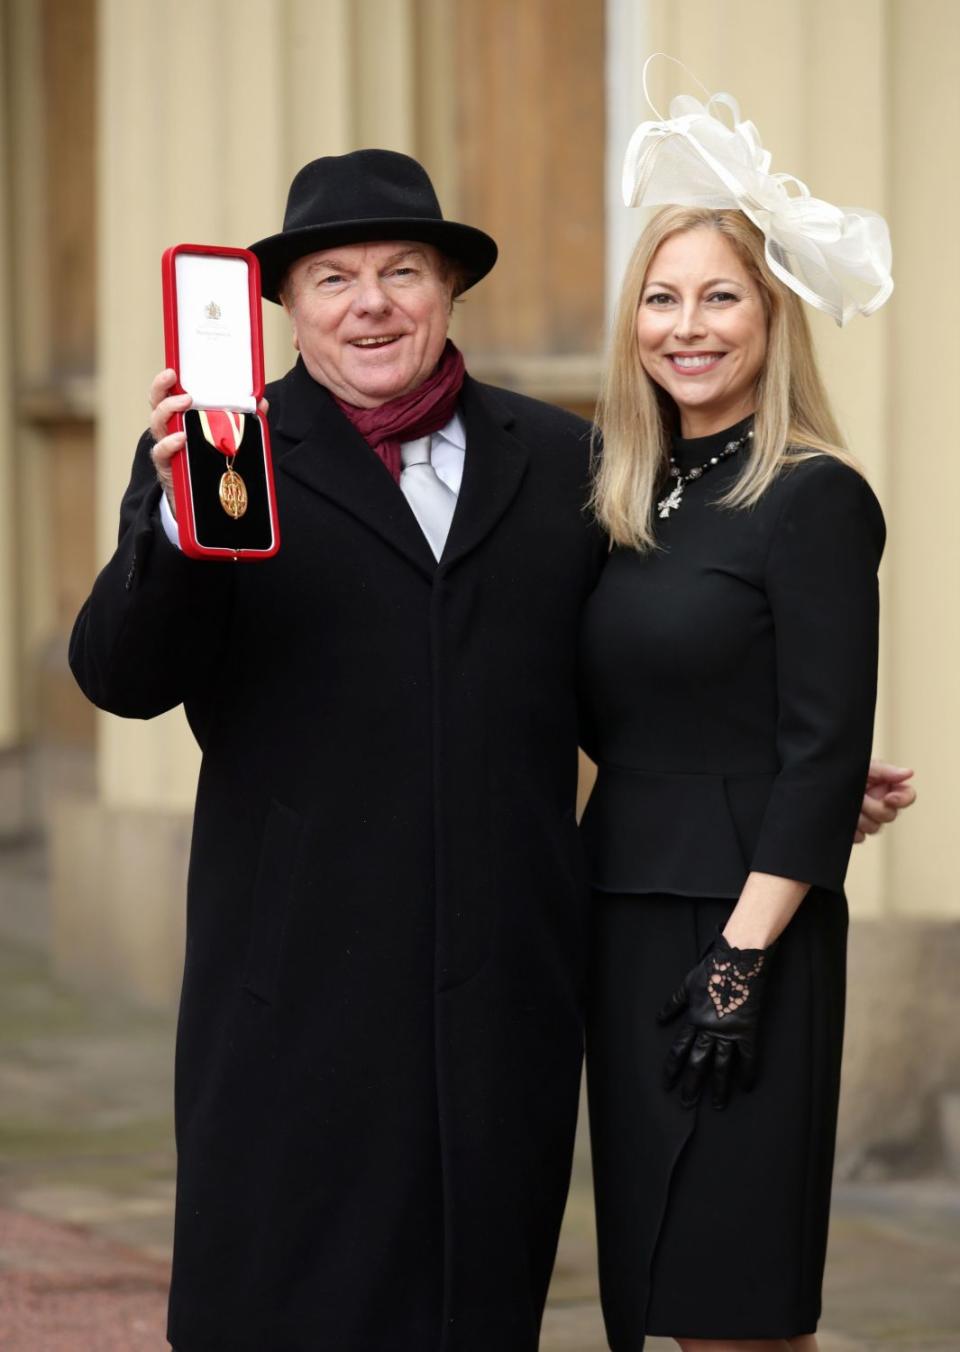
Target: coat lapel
<point>321,449</point>
<point>492,472</point>
<point>317,446</point>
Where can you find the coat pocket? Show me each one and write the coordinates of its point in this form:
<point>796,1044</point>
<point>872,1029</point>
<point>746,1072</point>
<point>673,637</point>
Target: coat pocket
<point>271,901</point>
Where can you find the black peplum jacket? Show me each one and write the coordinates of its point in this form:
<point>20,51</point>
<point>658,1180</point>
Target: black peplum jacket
<point>728,685</point>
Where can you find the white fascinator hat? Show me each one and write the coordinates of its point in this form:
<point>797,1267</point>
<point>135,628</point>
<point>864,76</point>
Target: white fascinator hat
<point>835,258</point>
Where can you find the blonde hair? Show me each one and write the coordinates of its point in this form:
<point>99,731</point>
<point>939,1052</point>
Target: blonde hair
<point>636,418</point>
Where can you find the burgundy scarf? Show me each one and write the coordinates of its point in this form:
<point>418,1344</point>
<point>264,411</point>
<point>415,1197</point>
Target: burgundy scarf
<point>416,414</point>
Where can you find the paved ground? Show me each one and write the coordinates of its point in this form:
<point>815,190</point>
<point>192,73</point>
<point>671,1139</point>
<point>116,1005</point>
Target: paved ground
<point>86,1189</point>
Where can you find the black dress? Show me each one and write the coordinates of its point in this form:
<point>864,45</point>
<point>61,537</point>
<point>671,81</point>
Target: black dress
<point>728,688</point>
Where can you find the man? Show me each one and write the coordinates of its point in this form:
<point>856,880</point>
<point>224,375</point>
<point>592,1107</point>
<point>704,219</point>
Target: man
<point>380,1032</point>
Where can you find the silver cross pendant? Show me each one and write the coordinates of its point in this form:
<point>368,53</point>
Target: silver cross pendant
<point>671,502</point>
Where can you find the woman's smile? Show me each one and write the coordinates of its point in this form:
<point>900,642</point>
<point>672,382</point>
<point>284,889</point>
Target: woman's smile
<point>694,363</point>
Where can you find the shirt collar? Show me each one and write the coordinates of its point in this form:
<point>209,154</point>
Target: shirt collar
<point>454,432</point>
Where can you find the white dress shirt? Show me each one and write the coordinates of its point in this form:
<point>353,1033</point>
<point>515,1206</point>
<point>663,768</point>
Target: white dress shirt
<point>447,451</point>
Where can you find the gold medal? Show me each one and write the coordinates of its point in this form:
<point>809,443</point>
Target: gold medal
<point>224,430</point>
<point>233,493</point>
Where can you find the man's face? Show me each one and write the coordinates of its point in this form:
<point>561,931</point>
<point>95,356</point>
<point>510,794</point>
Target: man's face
<point>369,320</point>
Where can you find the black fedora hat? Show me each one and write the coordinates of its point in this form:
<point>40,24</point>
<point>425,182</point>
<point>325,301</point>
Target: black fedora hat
<point>367,195</point>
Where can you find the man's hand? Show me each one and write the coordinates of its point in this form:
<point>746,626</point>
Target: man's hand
<point>887,793</point>
<point>164,405</point>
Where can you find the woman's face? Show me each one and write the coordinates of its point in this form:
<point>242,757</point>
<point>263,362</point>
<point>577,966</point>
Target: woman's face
<point>701,330</point>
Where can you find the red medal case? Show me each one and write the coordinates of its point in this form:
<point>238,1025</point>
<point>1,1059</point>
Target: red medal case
<point>214,342</point>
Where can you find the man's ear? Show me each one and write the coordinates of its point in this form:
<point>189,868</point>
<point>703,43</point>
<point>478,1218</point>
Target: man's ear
<point>284,301</point>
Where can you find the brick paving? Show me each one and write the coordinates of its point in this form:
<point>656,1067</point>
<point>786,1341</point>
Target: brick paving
<point>63,1289</point>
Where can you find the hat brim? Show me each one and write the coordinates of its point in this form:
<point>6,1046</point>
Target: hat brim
<point>475,251</point>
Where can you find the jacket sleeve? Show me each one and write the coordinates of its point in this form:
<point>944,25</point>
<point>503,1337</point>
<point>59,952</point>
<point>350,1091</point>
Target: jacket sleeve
<point>821,579</point>
<point>153,629</point>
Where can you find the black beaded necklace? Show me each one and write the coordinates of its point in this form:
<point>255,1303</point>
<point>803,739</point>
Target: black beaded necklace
<point>673,499</point>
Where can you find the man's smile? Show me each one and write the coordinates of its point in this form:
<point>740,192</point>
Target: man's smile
<point>380,340</point>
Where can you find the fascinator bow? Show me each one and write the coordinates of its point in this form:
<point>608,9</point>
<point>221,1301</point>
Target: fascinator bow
<point>835,258</point>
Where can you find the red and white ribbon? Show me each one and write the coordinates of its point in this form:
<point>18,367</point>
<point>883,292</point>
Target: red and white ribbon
<point>223,429</point>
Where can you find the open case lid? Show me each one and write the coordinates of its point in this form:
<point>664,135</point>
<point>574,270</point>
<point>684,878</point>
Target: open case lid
<point>212,324</point>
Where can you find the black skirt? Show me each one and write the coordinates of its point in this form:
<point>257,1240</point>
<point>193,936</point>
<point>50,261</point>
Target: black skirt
<point>712,1224</point>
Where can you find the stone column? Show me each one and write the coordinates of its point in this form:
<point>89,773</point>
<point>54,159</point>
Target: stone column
<point>9,620</point>
<point>18,144</point>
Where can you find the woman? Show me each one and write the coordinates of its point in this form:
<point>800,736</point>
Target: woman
<point>729,668</point>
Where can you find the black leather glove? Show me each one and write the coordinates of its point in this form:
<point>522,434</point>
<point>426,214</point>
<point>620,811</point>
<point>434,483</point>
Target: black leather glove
<point>722,997</point>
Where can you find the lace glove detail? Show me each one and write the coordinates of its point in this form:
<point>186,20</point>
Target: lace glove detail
<point>722,997</point>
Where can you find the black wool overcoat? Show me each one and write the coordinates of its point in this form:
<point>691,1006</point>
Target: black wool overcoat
<point>380,1030</point>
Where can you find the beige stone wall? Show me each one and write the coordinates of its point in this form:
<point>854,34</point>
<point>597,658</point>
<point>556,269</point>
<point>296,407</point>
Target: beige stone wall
<point>923,635</point>
<point>46,451</point>
<point>24,616</point>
